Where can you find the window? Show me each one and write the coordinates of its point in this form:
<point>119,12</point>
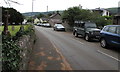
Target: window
<point>112,29</point>
<point>90,25</point>
<point>82,25</point>
<point>106,29</point>
<point>118,30</point>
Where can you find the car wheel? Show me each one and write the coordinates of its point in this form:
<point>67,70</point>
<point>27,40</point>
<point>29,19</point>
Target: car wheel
<point>103,43</point>
<point>76,34</point>
<point>87,38</point>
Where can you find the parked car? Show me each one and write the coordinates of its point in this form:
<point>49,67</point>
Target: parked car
<point>110,36</point>
<point>88,30</point>
<point>59,27</point>
<point>46,25</point>
<point>38,24</point>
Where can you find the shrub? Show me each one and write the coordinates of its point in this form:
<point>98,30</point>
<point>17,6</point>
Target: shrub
<point>10,53</point>
<point>11,56</point>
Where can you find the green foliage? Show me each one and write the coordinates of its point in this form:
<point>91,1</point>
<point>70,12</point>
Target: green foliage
<point>76,13</point>
<point>70,15</point>
<point>40,15</point>
<point>49,14</point>
<point>16,28</point>
<point>30,19</point>
<point>28,30</point>
<point>108,17</point>
<point>10,53</point>
<point>101,20</point>
<point>14,16</point>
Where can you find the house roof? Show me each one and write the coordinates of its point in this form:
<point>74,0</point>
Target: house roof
<point>44,19</point>
<point>99,9</point>
<point>55,15</point>
<point>56,20</point>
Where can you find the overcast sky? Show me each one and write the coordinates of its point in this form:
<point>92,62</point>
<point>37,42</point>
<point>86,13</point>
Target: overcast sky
<point>41,5</point>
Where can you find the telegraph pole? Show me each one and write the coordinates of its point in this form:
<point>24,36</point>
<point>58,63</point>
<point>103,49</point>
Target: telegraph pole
<point>47,8</point>
<point>32,6</point>
<point>5,31</point>
<point>32,13</point>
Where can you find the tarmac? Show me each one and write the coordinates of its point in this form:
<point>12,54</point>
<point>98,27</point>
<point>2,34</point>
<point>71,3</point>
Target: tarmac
<point>46,56</point>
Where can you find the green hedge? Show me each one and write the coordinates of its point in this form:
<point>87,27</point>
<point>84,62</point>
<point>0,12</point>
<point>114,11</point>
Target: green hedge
<point>11,56</point>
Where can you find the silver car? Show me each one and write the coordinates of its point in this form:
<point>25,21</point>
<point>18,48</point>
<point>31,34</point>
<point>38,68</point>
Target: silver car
<point>59,27</point>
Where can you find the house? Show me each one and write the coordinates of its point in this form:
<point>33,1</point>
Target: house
<point>116,20</point>
<point>44,20</point>
<point>36,20</point>
<point>55,18</point>
<point>24,22</point>
<point>102,11</point>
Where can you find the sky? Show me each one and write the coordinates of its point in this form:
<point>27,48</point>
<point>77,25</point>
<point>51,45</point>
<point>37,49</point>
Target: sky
<point>41,5</point>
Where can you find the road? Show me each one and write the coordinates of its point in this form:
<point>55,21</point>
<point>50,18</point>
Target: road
<point>80,54</point>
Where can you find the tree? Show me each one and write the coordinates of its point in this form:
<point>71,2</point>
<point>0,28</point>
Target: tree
<point>40,15</point>
<point>49,14</point>
<point>30,19</point>
<point>14,16</point>
<point>100,20</point>
<point>75,13</point>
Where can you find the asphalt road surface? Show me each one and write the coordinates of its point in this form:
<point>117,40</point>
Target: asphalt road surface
<point>80,54</point>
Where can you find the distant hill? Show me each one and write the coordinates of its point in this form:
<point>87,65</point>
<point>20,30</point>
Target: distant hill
<point>113,10</point>
<point>36,13</point>
<point>33,13</point>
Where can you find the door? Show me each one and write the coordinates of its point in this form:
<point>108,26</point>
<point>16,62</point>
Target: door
<point>112,36</point>
<point>81,29</point>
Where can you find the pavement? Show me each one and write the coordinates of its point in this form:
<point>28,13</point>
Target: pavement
<point>46,56</point>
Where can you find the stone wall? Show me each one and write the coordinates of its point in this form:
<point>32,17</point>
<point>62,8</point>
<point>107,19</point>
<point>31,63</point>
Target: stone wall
<point>26,43</point>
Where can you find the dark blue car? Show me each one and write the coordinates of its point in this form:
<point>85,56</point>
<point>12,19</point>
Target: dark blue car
<point>110,36</point>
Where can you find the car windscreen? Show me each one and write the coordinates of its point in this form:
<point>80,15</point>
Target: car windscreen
<point>90,25</point>
<point>59,25</point>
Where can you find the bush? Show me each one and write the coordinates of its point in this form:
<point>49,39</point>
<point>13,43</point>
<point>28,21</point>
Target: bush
<point>10,53</point>
<point>22,32</point>
<point>11,56</point>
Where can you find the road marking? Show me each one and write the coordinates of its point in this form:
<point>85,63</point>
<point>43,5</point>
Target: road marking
<point>108,55</point>
<point>79,41</point>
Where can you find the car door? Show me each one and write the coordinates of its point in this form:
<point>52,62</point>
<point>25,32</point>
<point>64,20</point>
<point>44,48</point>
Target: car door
<point>112,36</point>
<point>118,36</point>
<point>81,29</point>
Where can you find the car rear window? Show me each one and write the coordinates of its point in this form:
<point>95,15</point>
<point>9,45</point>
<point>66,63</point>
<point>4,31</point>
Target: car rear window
<point>90,25</point>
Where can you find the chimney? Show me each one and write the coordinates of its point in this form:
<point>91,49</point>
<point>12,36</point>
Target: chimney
<point>80,6</point>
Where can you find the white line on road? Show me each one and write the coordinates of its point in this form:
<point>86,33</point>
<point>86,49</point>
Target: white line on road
<point>108,55</point>
<point>79,41</point>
